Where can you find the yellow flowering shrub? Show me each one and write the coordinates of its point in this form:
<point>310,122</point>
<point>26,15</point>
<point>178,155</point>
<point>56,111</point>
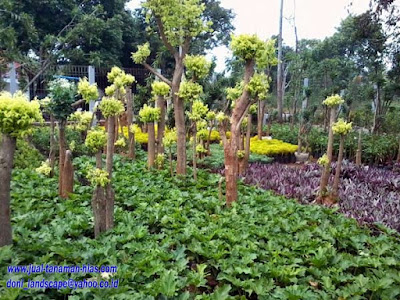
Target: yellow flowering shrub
<point>271,147</point>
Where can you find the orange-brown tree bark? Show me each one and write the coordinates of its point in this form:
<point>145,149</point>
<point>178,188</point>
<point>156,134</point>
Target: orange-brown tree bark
<point>335,188</point>
<point>151,149</point>
<point>129,119</point>
<point>161,103</point>
<point>68,175</point>
<point>62,149</point>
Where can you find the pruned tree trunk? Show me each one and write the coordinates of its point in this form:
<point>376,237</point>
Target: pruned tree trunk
<point>68,175</point>
<point>326,170</point>
<point>231,146</point>
<point>245,160</point>
<point>99,210</point>
<point>7,150</point>
<point>359,149</point>
<point>260,118</point>
<point>209,139</point>
<point>161,103</point>
<point>335,188</point>
<point>129,117</point>
<point>62,149</point>
<point>194,151</point>
<point>52,153</point>
<point>109,205</point>
<point>151,149</point>
<point>179,111</point>
<point>170,162</point>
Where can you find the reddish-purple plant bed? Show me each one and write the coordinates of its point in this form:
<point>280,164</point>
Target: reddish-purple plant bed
<point>370,195</point>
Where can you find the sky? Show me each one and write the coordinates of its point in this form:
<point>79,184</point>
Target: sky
<point>315,19</point>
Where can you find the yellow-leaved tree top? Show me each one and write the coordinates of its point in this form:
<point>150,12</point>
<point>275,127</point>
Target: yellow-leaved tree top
<point>17,114</point>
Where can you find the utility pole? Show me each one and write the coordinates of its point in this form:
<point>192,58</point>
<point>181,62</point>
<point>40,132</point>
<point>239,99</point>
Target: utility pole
<point>279,75</point>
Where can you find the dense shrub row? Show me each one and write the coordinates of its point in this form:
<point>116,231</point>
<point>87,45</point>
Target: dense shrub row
<point>376,149</point>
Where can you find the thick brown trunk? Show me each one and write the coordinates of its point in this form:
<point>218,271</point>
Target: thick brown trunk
<point>7,150</point>
<point>129,119</point>
<point>68,175</point>
<point>179,112</point>
<point>151,149</point>
<point>52,154</point>
<point>326,170</point>
<point>335,188</point>
<point>109,193</point>
<point>359,149</point>
<point>62,149</point>
<point>231,165</point>
<point>161,103</point>
<point>99,210</point>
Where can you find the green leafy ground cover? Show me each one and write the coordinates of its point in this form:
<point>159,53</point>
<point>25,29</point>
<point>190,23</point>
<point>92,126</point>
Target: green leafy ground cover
<point>175,240</point>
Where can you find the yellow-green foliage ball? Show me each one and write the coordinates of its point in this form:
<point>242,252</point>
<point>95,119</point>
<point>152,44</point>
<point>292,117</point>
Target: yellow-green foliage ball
<point>342,127</point>
<point>120,143</point>
<point>333,101</point>
<point>96,140</point>
<point>98,177</point>
<point>82,119</point>
<point>240,154</point>
<point>149,114</point>
<point>170,138</point>
<point>201,149</point>
<point>199,111</point>
<point>190,91</point>
<point>253,108</point>
<point>141,54</point>
<point>87,91</point>
<point>202,134</point>
<point>159,88</point>
<point>247,46</point>
<point>323,160</point>
<point>44,169</point>
<point>211,115</point>
<point>234,93</point>
<point>220,117</point>
<point>258,86</point>
<point>197,66</point>
<point>17,114</point>
<point>111,107</point>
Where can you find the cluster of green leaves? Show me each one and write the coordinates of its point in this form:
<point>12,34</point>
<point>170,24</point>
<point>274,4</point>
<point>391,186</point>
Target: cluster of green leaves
<point>190,91</point>
<point>258,86</point>
<point>142,53</point>
<point>62,94</point>
<point>26,155</point>
<point>159,88</point>
<point>17,114</point>
<point>174,239</point>
<point>96,139</point>
<point>199,111</point>
<point>149,114</point>
<point>87,91</point>
<point>111,107</point>
<point>197,66</point>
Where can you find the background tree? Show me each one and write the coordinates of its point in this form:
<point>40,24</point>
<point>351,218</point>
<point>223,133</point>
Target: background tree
<point>149,115</point>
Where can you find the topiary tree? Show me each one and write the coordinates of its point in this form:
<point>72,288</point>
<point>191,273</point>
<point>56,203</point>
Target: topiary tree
<point>250,49</point>
<point>62,94</point>
<point>178,23</point>
<point>149,115</point>
<point>340,128</point>
<point>160,90</point>
<point>95,142</point>
<point>111,108</point>
<point>332,103</point>
<point>17,115</point>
